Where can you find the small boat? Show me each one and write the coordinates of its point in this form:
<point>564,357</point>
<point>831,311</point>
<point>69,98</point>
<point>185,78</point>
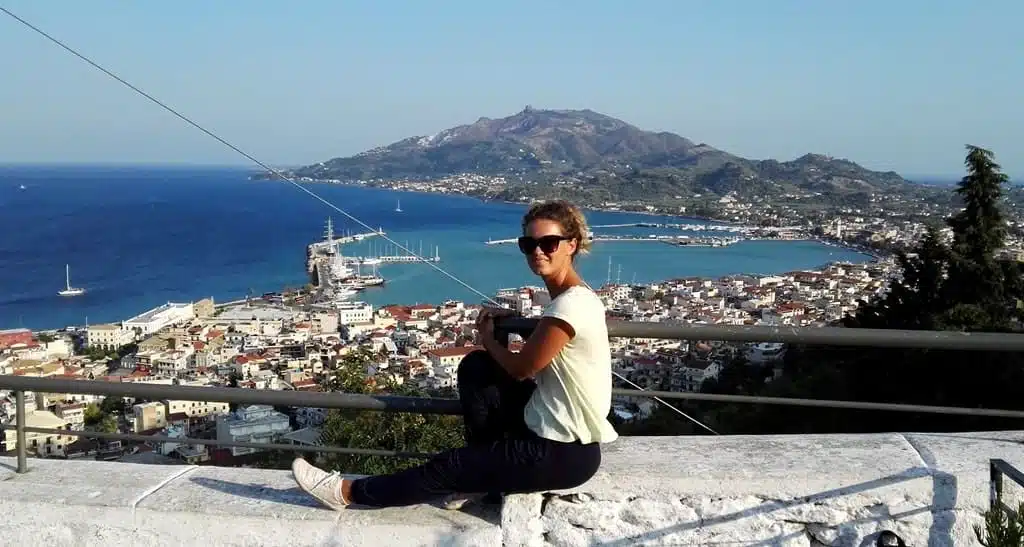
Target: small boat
<point>68,289</point>
<point>398,206</point>
<point>343,293</point>
<point>22,187</point>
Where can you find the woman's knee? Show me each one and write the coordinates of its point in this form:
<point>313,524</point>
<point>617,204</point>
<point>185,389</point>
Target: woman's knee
<point>586,460</point>
<point>475,365</point>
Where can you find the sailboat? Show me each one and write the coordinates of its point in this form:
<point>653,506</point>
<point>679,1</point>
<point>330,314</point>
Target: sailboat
<point>398,206</point>
<point>68,289</point>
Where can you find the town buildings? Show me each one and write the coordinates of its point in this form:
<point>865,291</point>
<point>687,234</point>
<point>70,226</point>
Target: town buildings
<point>271,345</point>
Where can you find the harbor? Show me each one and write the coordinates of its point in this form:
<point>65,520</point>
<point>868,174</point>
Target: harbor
<point>690,227</point>
<point>733,234</point>
<point>682,241</point>
<point>337,278</point>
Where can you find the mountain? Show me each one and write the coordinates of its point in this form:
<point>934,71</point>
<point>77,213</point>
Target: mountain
<point>600,151</point>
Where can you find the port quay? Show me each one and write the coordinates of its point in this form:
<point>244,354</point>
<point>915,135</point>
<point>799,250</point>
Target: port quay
<point>331,242</point>
<point>337,278</point>
<point>745,233</point>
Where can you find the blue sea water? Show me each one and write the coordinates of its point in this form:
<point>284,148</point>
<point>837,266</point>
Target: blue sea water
<point>136,237</point>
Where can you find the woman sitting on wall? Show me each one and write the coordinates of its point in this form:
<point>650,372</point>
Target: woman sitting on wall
<point>534,419</point>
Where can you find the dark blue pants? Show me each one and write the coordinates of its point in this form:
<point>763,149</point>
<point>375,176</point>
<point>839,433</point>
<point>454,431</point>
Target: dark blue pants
<point>501,454</point>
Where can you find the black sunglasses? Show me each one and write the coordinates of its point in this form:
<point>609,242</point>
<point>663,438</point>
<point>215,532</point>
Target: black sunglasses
<point>547,244</point>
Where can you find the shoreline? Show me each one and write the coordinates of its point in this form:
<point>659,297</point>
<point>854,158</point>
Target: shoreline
<point>49,315</point>
<point>481,199</point>
<point>484,199</point>
<point>235,301</point>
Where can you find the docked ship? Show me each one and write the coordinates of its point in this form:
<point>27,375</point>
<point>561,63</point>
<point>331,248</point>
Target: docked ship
<point>343,277</point>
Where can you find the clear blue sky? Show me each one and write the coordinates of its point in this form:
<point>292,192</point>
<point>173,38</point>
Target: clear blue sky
<point>895,84</point>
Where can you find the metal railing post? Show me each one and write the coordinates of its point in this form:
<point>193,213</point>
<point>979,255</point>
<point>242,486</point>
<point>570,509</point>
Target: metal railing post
<point>19,397</point>
<point>995,486</point>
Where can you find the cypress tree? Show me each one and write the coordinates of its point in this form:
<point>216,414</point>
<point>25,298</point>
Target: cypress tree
<point>976,290</point>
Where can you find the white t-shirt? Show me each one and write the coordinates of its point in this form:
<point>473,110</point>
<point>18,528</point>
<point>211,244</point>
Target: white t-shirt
<point>574,392</point>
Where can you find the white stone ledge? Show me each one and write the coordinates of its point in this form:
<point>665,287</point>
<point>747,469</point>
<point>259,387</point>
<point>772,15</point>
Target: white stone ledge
<point>81,502</point>
<point>743,490</point>
<point>777,490</point>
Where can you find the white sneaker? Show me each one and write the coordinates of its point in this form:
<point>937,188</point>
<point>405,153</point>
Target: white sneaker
<point>324,486</point>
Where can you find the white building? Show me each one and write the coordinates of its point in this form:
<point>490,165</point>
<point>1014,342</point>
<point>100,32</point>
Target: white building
<point>108,336</point>
<point>766,352</point>
<point>149,416</point>
<point>252,424</point>
<point>311,417</point>
<point>42,444</point>
<point>159,317</point>
<point>171,363</point>
<point>446,360</point>
<point>73,414</point>
<point>524,299</point>
<point>691,376</point>
<point>350,313</point>
<point>325,322</point>
<point>196,409</point>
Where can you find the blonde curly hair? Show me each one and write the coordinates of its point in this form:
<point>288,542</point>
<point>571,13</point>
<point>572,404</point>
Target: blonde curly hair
<point>568,216</point>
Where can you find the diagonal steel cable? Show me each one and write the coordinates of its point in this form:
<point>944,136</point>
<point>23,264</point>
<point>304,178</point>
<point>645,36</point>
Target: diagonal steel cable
<point>248,156</point>
<point>293,182</point>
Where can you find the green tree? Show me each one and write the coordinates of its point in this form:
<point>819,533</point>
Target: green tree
<point>112,404</point>
<point>93,414</point>
<point>46,338</point>
<point>977,281</point>
<point>1000,529</point>
<point>963,286</point>
<point>108,424</point>
<point>127,349</point>
<point>914,301</point>
<point>400,431</point>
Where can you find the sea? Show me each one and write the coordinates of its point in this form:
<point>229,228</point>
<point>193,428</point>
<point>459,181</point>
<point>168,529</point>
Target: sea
<point>136,237</point>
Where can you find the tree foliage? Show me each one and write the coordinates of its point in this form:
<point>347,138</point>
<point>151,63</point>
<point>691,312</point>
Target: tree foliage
<point>101,418</point>
<point>397,431</point>
<point>93,415</point>
<point>964,285</point>
<point>1000,529</point>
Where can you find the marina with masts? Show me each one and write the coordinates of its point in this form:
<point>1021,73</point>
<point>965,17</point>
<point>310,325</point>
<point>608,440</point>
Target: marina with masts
<point>337,277</point>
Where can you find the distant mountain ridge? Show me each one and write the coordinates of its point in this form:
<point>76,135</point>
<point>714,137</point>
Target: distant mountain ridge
<point>544,145</point>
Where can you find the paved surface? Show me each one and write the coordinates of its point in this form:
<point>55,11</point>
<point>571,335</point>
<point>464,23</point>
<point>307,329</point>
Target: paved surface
<point>757,490</point>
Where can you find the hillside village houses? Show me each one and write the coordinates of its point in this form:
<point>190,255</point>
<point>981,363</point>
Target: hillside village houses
<point>262,345</point>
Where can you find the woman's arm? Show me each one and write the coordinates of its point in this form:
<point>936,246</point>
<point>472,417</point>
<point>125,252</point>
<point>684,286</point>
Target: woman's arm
<point>550,336</point>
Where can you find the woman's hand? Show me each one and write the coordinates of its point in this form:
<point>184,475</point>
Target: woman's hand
<point>485,322</point>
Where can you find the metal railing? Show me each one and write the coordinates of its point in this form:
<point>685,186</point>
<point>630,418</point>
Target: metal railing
<point>997,470</point>
<point>616,329</point>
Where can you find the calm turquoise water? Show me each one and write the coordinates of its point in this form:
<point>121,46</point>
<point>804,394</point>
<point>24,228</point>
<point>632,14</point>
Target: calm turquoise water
<point>137,237</point>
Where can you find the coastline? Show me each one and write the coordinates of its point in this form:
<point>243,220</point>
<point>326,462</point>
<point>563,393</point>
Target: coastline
<point>234,301</point>
<point>484,199</point>
<point>266,257</point>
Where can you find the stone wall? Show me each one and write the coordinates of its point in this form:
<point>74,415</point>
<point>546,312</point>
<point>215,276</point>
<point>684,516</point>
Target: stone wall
<point>773,490</point>
<point>763,490</point>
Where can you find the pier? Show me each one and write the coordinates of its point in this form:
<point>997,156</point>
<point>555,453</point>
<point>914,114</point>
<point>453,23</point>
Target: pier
<point>407,258</point>
<point>691,227</point>
<point>335,241</point>
<point>742,233</point>
<point>331,241</point>
<point>325,263</point>
<point>683,241</point>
